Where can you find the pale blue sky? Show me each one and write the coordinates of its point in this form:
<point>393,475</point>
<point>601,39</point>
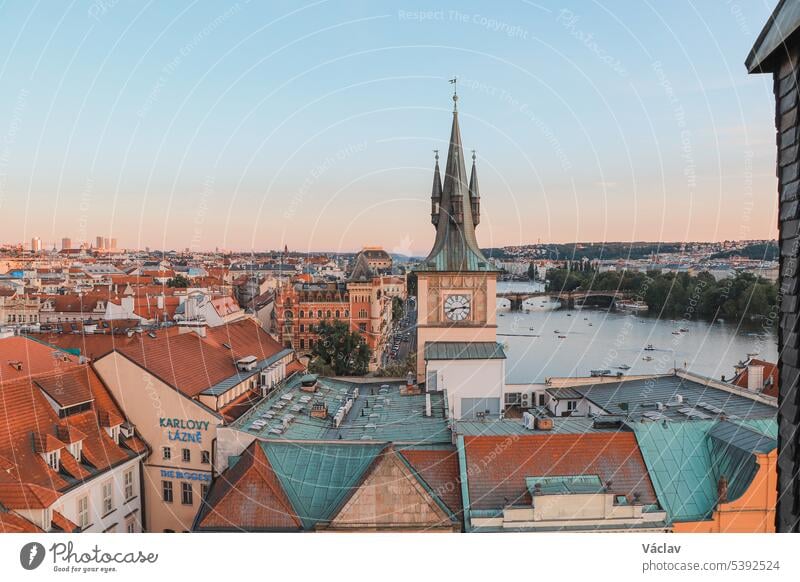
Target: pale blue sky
<point>250,125</point>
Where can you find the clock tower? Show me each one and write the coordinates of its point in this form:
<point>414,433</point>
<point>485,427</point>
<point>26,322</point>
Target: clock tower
<point>456,288</point>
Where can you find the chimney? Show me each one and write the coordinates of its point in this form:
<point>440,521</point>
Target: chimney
<point>755,378</point>
<point>722,490</point>
<point>428,404</point>
<point>161,301</point>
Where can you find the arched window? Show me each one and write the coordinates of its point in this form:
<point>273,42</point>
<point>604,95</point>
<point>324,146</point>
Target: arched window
<point>347,313</point>
<point>319,313</point>
<point>328,314</point>
<point>337,314</point>
<point>288,314</point>
<point>302,314</point>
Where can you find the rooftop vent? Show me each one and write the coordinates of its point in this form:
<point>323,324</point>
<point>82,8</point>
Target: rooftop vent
<point>17,365</point>
<point>246,363</point>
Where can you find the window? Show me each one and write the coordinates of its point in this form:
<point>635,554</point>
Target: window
<point>205,457</point>
<point>347,313</point>
<point>186,454</point>
<point>302,344</point>
<point>166,453</point>
<point>362,327</point>
<point>302,313</point>
<point>130,524</point>
<point>302,327</point>
<point>108,497</point>
<point>186,494</point>
<point>83,511</point>
<point>204,490</point>
<point>319,313</point>
<point>338,313</point>
<point>166,491</point>
<point>128,478</point>
<point>52,460</point>
<point>328,314</point>
<point>572,405</point>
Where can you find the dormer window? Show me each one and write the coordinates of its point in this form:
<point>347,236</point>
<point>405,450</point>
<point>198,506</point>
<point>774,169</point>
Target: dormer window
<point>53,459</point>
<point>76,449</point>
<point>113,432</point>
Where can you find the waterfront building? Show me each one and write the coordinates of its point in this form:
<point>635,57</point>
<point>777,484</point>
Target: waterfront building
<point>457,347</point>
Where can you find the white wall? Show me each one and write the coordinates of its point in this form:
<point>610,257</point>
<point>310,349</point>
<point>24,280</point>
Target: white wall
<point>468,379</point>
<point>67,505</point>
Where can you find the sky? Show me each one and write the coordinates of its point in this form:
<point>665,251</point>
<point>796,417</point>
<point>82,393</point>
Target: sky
<point>254,125</point>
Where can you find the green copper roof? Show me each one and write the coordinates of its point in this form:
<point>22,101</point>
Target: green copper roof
<point>564,485</point>
<point>317,477</point>
<point>686,459</point>
<point>464,351</point>
<point>455,248</point>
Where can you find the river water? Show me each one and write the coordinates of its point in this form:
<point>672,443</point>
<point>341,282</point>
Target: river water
<point>603,339</point>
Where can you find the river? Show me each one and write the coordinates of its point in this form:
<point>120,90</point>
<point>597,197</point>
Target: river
<point>602,339</point>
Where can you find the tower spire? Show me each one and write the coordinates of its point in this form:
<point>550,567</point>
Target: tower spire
<point>455,248</point>
<point>474,193</point>
<point>436,192</point>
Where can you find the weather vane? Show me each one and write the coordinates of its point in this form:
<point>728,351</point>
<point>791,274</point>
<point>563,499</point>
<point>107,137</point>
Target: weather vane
<point>454,83</point>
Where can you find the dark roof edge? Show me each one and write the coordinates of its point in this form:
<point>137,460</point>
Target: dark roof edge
<point>758,61</point>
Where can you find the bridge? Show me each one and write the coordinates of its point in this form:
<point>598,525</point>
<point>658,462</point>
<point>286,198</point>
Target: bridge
<point>568,298</point>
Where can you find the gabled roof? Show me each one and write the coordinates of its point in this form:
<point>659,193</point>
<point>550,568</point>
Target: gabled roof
<point>437,468</point>
<point>22,357</point>
<point>770,377</point>
<point>317,477</point>
<point>249,497</point>
<point>192,364</point>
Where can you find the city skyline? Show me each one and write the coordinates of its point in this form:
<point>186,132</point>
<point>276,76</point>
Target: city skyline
<point>200,135</point>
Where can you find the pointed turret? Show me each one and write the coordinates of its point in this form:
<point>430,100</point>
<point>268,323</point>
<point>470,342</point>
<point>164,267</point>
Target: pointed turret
<point>475,193</point>
<point>436,192</point>
<point>455,248</point>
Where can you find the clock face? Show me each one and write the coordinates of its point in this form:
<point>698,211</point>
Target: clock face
<point>457,307</point>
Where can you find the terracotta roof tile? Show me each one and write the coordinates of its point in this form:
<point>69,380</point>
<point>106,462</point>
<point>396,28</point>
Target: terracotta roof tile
<point>27,496</point>
<point>497,466</point>
<point>770,377</point>
<point>13,523</point>
<point>22,357</point>
<point>190,363</point>
<point>249,496</point>
<point>62,523</point>
<point>439,469</point>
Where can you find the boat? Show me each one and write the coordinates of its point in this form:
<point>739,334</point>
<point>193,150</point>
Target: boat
<point>597,373</point>
<point>632,305</point>
<point>569,315</point>
<point>562,337</point>
<point>624,367</point>
<point>684,329</point>
<point>530,329</point>
<point>556,331</point>
<point>676,332</point>
<point>591,324</point>
<point>649,348</point>
<point>648,358</point>
<point>752,354</point>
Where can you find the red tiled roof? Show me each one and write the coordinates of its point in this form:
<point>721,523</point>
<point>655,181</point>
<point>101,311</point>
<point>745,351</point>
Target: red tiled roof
<point>249,496</point>
<point>64,524</point>
<point>35,358</point>
<point>27,496</point>
<point>24,411</point>
<point>190,363</point>
<point>497,466</point>
<point>770,377</point>
<point>70,387</point>
<point>439,469</point>
<point>12,523</point>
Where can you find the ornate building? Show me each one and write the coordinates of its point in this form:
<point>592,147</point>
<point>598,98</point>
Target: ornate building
<point>364,301</point>
<point>456,319</point>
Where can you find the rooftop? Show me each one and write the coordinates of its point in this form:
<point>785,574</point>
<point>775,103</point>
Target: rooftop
<point>378,412</point>
<point>681,399</point>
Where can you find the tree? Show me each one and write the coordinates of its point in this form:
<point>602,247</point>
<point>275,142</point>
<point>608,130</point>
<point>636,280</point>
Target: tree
<point>531,272</point>
<point>178,281</point>
<point>397,308</point>
<point>340,350</point>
